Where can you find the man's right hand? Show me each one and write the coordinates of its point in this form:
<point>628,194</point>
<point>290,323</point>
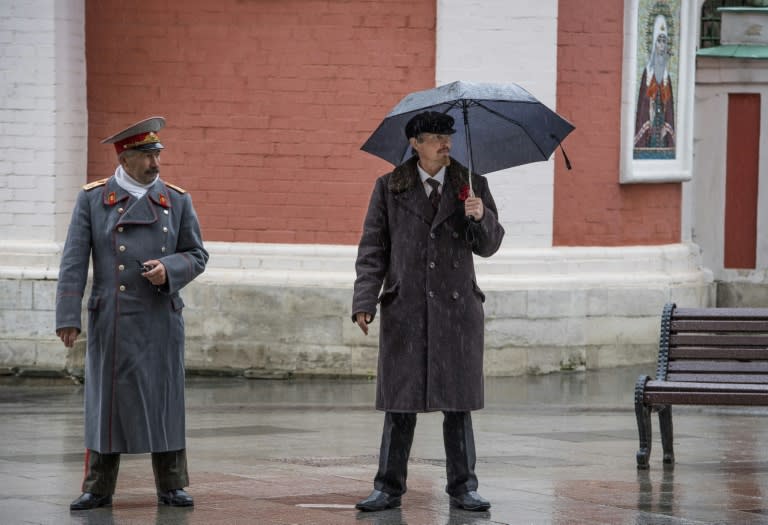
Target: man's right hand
<point>68,335</point>
<point>362,319</point>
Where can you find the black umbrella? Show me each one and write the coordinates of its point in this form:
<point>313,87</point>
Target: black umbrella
<point>503,126</point>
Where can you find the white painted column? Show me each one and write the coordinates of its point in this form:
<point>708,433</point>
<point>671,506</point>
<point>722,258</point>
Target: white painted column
<point>43,117</point>
<point>43,130</point>
<point>503,41</point>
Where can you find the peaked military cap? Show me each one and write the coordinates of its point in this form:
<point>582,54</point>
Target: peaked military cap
<point>429,122</point>
<point>141,136</point>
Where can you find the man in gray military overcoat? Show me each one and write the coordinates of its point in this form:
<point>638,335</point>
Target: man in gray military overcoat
<point>415,260</point>
<point>145,241</point>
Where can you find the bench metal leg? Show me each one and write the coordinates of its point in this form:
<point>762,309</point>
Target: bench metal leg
<point>643,414</point>
<point>665,427</point>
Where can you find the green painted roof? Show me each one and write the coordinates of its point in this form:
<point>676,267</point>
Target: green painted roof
<point>735,51</point>
<point>743,9</point>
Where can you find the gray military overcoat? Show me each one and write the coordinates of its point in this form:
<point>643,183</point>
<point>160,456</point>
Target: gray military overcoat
<point>431,334</point>
<point>134,370</point>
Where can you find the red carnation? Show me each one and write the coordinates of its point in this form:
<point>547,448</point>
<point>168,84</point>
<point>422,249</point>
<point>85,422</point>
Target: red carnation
<point>464,193</point>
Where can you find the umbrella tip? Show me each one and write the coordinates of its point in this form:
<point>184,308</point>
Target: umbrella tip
<point>565,156</point>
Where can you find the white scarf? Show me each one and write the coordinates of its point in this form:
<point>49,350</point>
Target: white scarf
<point>130,185</point>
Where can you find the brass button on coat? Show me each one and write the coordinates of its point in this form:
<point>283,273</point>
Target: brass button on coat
<point>120,229</point>
<point>121,267</point>
<point>455,295</point>
<point>122,287</point>
<point>122,248</point>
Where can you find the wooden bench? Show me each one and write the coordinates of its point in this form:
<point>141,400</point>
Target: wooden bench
<point>707,356</point>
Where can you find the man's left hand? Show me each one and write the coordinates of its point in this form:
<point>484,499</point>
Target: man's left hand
<point>157,274</point>
<point>473,208</point>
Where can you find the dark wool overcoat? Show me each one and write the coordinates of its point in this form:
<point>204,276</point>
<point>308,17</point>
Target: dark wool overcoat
<point>134,368</point>
<point>418,266</point>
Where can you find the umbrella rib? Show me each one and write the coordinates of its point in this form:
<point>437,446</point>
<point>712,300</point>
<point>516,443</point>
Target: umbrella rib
<point>512,121</point>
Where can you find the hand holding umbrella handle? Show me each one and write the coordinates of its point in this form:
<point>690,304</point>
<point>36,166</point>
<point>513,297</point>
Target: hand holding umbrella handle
<point>473,208</point>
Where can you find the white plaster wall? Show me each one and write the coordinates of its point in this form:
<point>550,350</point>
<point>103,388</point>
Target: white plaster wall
<point>716,78</point>
<point>507,41</point>
<point>43,120</point>
<point>707,188</point>
<point>43,127</point>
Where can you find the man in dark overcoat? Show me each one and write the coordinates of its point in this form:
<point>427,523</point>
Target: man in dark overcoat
<point>144,238</point>
<point>415,260</point>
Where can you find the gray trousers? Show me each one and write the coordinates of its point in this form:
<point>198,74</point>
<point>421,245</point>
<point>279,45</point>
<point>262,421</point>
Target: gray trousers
<point>170,470</point>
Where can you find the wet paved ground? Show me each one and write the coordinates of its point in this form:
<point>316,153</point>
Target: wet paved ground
<point>551,449</point>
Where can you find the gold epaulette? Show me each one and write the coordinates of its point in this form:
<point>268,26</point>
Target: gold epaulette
<point>173,186</point>
<point>94,184</point>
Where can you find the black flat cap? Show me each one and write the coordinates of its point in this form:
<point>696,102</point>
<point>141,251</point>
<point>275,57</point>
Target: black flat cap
<point>429,122</point>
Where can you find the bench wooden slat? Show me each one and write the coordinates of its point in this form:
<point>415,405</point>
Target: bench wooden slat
<point>759,379</point>
<point>719,325</point>
<point>715,387</point>
<point>690,339</point>
<point>706,398</point>
<point>692,365</point>
<point>727,352</point>
<point>714,313</point>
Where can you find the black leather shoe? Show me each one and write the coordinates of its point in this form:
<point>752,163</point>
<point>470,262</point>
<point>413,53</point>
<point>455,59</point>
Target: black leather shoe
<point>378,500</point>
<point>88,501</point>
<point>470,501</point>
<point>175,498</point>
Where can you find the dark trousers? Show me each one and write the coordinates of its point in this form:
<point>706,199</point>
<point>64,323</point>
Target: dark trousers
<point>170,469</point>
<point>396,440</point>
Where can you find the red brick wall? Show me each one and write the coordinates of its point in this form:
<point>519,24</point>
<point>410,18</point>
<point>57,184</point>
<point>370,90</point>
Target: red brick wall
<point>267,103</point>
<point>591,208</point>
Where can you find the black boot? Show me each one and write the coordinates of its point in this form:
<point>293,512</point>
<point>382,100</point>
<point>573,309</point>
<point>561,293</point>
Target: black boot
<point>175,498</point>
<point>88,501</point>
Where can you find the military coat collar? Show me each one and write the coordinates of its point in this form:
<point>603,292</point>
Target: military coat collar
<point>144,210</point>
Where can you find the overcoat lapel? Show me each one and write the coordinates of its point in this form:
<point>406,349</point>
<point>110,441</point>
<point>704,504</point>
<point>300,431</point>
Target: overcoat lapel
<point>455,178</point>
<point>144,210</point>
<point>140,212</point>
<point>448,201</point>
<point>413,198</point>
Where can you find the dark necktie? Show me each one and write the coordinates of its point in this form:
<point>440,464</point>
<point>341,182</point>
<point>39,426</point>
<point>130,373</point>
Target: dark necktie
<point>434,195</point>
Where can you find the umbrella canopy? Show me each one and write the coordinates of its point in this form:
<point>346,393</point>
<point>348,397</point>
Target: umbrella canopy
<point>502,124</point>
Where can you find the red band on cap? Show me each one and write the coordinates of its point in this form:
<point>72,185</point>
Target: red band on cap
<point>134,141</point>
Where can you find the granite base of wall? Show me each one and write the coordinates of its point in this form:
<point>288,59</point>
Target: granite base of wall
<point>744,294</point>
<point>284,311</point>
